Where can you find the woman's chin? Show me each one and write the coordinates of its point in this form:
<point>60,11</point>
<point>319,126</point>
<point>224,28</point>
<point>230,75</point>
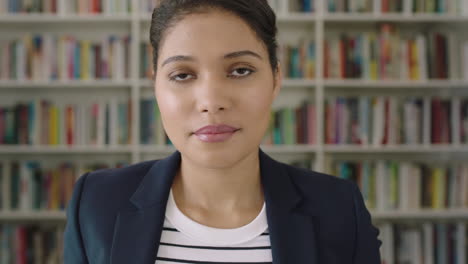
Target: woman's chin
<point>216,158</point>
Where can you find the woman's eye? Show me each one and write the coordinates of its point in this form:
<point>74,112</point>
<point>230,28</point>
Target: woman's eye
<point>181,77</point>
<point>240,72</point>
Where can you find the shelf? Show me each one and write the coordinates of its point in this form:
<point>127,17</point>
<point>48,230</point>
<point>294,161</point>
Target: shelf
<point>291,27</point>
<point>14,149</point>
<point>71,18</point>
<point>110,84</point>
<point>157,149</point>
<point>299,83</point>
<point>145,17</point>
<point>393,17</point>
<point>421,214</point>
<point>289,149</point>
<point>358,83</point>
<point>146,83</point>
<point>296,17</point>
<point>278,149</point>
<point>398,215</point>
<point>281,149</point>
<point>396,149</point>
<point>33,216</point>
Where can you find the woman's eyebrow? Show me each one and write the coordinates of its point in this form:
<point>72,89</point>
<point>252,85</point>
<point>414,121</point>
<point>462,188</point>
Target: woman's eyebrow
<point>242,53</point>
<point>177,58</point>
<point>227,56</point>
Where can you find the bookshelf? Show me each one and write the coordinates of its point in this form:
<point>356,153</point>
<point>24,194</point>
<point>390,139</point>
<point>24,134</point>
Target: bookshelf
<point>315,23</point>
<point>293,26</point>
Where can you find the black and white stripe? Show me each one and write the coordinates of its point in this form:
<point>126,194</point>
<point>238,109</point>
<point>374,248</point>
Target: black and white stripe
<point>175,247</point>
<point>186,241</point>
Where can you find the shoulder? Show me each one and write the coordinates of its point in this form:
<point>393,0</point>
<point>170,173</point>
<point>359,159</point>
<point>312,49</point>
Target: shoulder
<point>112,187</point>
<point>119,176</point>
<point>305,178</point>
<point>331,201</point>
<point>322,191</point>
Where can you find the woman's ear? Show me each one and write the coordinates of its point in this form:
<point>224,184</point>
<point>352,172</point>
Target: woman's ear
<point>278,78</point>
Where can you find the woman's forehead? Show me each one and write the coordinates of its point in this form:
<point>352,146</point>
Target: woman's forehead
<point>218,32</point>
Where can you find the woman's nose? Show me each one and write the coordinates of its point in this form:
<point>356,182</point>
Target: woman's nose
<point>213,96</point>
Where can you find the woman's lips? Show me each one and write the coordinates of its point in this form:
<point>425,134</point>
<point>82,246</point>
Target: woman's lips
<point>215,133</point>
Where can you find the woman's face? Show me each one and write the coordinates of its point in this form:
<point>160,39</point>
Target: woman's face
<point>214,71</point>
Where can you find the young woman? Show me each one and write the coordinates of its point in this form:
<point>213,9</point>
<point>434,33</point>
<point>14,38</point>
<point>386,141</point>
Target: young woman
<point>219,198</point>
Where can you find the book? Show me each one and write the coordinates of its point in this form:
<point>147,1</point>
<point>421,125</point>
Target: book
<point>105,7</point>
<point>31,244</point>
<point>146,63</point>
<point>2,188</point>
<point>61,57</point>
<point>298,61</point>
<point>306,6</point>
<point>28,6</point>
<point>151,127</point>
<point>404,185</point>
<point>429,243</point>
<point>292,125</point>
<point>43,122</point>
<point>388,54</point>
<point>392,120</point>
<point>33,186</point>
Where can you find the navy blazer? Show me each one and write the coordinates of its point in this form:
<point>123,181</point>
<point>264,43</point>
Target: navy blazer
<point>116,215</point>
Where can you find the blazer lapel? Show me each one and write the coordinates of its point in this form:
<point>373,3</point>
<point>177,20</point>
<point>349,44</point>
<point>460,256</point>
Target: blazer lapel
<point>292,231</point>
<point>136,235</point>
<point>137,232</point>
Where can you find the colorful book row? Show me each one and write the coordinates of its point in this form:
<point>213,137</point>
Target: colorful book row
<point>70,7</point>
<point>52,57</point>
<point>28,6</point>
<point>439,6</point>
<point>390,55</point>
<point>43,122</point>
<point>146,61</point>
<point>395,185</point>
<point>151,128</point>
<point>340,6</point>
<point>298,60</point>
<point>24,244</point>
<point>306,6</point>
<point>392,120</point>
<point>30,186</point>
<point>99,6</point>
<point>398,6</point>
<point>292,125</point>
<point>423,243</point>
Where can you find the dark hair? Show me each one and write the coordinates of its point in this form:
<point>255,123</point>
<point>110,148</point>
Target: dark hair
<point>256,13</point>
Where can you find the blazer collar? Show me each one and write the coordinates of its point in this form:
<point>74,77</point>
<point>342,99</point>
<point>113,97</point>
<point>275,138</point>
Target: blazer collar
<point>137,233</point>
<point>154,188</point>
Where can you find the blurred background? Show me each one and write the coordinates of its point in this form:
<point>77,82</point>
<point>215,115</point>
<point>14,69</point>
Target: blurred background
<point>375,91</point>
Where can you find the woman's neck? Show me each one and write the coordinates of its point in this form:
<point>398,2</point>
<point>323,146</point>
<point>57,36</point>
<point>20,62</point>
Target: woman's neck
<point>205,194</point>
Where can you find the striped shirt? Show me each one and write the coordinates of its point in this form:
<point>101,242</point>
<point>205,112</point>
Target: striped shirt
<point>186,241</point>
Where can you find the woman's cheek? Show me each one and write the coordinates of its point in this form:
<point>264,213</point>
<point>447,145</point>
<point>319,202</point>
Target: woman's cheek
<point>170,110</point>
<point>259,102</point>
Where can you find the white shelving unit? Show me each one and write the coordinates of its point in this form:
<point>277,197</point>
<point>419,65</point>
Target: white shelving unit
<point>397,215</point>
<point>290,25</point>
